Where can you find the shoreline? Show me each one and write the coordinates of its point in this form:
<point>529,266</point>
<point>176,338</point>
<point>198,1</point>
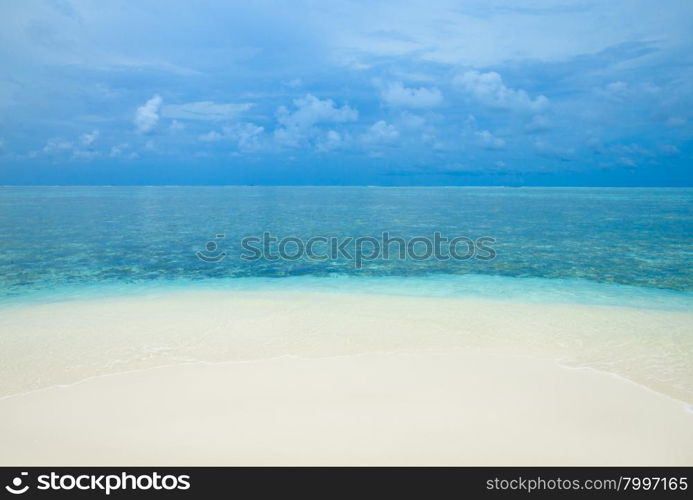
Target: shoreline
<point>61,343</point>
<point>687,407</point>
<point>483,287</point>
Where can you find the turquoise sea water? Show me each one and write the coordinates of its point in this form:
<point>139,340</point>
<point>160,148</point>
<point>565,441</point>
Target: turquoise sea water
<point>632,247</point>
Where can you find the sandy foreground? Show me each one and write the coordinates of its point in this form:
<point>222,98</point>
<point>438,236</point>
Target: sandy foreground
<point>337,380</point>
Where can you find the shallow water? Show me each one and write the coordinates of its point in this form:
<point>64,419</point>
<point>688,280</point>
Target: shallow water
<point>567,244</point>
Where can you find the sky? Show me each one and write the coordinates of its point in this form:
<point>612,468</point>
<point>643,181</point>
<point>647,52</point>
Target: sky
<point>435,92</point>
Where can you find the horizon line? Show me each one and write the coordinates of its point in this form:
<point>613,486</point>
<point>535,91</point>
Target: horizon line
<point>362,185</point>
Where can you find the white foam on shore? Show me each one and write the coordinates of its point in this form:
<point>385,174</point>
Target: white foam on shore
<point>474,286</point>
<point>63,342</point>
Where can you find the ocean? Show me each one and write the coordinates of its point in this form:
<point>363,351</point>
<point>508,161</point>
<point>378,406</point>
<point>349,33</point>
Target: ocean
<point>617,246</point>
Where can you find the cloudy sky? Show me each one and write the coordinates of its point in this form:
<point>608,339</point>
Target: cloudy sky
<point>531,92</point>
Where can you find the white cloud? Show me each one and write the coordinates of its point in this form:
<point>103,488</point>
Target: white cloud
<point>429,137</point>
<point>547,149</point>
<point>295,83</point>
<point>299,125</point>
<point>616,88</point>
<point>311,110</point>
<point>205,110</point>
<point>619,91</point>
<point>211,136</point>
<point>331,140</point>
<point>631,149</point>
<point>79,149</point>
<point>481,137</point>
<point>56,145</point>
<point>247,136</point>
<point>381,132</point>
<point>669,149</point>
<point>633,154</point>
<point>489,89</point>
<point>616,91</point>
<point>628,162</point>
<point>89,138</point>
<point>147,115</point>
<point>411,121</point>
<point>538,123</point>
<point>397,95</point>
<point>123,151</point>
<point>84,154</point>
<point>176,126</point>
<point>489,141</point>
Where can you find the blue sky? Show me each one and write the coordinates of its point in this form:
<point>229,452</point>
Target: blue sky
<point>346,92</point>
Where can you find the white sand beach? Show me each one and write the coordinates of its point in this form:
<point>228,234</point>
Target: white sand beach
<point>295,378</point>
